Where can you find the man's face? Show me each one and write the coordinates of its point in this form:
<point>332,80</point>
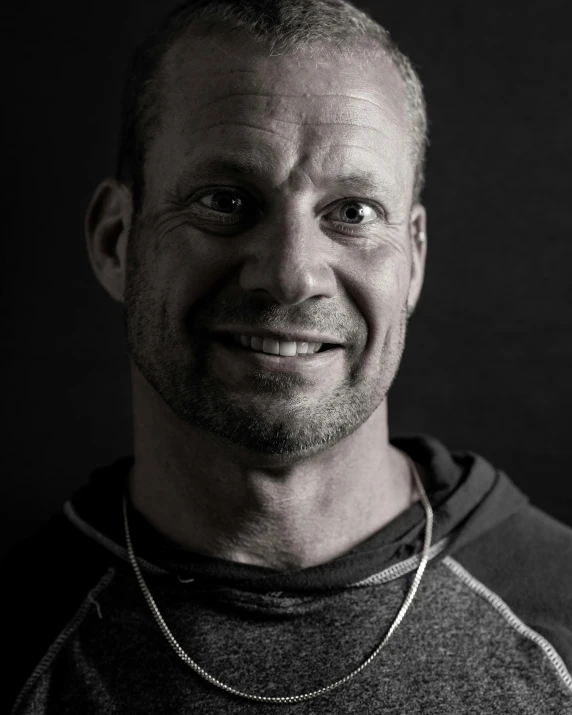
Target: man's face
<point>277,206</point>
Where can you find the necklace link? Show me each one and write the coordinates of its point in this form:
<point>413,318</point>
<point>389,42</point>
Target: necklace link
<point>302,696</point>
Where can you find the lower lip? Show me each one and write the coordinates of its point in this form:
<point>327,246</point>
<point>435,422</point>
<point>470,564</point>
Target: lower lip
<point>295,364</point>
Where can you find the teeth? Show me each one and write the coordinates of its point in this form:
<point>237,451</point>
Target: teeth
<point>271,346</point>
<point>286,348</point>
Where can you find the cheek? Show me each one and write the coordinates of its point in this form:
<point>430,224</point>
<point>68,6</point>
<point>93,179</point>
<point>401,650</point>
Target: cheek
<point>388,315</point>
<point>378,285</point>
<point>185,266</point>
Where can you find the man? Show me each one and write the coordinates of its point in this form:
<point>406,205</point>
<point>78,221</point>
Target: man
<point>268,545</point>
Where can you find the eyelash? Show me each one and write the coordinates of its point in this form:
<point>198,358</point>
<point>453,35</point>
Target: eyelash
<point>348,229</point>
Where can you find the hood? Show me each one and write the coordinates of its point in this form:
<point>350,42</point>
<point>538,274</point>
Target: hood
<point>468,495</point>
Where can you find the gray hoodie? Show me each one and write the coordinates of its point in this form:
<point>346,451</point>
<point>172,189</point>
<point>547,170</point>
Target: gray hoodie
<point>489,630</point>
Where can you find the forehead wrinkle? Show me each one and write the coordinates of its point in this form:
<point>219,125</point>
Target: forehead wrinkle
<point>298,126</point>
<point>248,80</point>
<point>305,95</point>
<point>327,124</point>
<point>269,105</point>
<point>204,130</point>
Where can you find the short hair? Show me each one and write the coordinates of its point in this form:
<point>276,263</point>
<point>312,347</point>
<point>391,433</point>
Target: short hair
<point>284,26</point>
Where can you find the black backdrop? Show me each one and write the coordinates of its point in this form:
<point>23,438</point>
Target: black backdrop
<point>489,352</point>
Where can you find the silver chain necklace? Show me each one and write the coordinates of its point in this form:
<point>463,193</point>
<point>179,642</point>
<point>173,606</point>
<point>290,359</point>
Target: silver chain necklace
<point>314,693</point>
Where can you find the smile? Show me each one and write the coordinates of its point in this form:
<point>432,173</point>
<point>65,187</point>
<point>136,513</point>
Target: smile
<point>239,352</point>
<point>270,346</point>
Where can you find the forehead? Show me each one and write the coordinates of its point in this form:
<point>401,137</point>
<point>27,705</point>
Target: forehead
<point>228,96</point>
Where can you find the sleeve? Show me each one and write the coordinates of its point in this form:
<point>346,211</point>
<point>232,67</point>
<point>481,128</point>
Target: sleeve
<point>527,561</point>
<point>45,579</point>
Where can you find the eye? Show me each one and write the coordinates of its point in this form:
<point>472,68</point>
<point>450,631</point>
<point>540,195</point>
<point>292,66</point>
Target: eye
<point>353,212</point>
<point>225,202</point>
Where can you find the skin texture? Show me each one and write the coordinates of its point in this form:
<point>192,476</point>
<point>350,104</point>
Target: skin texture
<point>281,463</point>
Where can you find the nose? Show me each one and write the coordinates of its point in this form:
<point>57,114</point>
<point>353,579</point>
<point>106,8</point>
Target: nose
<point>289,264</point>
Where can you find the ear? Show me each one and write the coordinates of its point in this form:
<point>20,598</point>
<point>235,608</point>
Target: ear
<point>107,225</point>
<point>418,234</point>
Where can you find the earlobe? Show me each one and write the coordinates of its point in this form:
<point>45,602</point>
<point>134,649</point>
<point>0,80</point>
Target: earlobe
<point>418,234</point>
<point>107,225</point>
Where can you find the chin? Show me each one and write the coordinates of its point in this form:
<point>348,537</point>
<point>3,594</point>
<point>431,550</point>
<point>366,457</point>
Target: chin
<point>279,440</point>
<point>275,416</point>
<point>287,427</point>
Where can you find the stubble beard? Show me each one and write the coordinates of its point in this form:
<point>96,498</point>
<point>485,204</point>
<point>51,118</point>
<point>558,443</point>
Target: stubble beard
<point>285,423</point>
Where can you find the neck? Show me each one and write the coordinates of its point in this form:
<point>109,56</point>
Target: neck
<point>218,500</point>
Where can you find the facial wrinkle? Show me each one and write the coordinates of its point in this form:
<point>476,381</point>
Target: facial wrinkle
<point>272,95</point>
<point>244,124</point>
<point>279,108</point>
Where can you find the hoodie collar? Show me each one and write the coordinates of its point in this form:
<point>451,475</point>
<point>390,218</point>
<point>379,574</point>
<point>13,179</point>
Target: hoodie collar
<point>467,494</point>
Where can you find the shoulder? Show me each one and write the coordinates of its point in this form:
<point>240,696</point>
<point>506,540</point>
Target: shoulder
<point>46,578</point>
<point>526,560</point>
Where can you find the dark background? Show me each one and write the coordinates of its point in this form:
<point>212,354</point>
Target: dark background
<point>489,354</point>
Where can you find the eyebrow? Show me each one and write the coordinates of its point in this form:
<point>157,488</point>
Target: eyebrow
<point>249,166</point>
<point>365,181</point>
<point>225,166</point>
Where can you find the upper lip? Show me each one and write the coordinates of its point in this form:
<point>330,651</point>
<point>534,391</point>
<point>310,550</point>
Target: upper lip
<point>284,335</point>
